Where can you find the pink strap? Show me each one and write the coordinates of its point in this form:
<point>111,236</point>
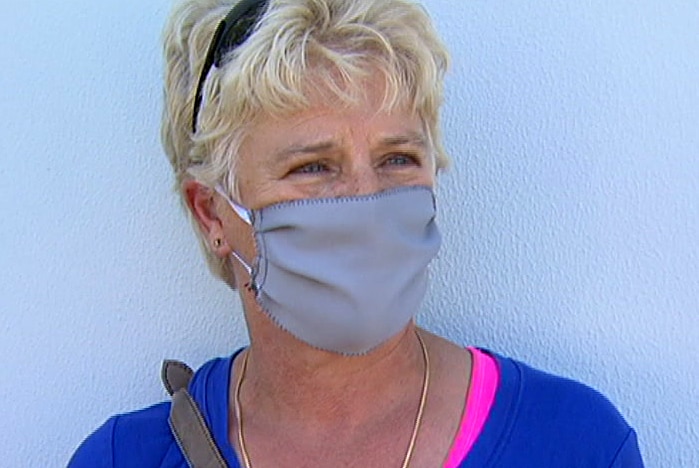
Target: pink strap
<point>485,377</point>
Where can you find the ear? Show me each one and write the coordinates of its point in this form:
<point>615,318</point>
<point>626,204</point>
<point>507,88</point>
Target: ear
<point>200,201</point>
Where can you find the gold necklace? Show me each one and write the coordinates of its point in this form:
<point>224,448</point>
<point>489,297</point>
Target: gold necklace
<point>416,425</point>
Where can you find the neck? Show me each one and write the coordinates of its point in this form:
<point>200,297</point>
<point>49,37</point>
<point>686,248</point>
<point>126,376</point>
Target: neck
<point>286,378</point>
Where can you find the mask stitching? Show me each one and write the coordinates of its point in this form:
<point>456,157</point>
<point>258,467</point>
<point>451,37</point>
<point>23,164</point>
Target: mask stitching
<point>282,327</point>
<point>349,198</point>
<point>261,260</point>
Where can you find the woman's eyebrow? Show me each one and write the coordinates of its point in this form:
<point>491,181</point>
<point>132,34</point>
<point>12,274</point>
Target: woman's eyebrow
<point>301,149</point>
<point>411,138</point>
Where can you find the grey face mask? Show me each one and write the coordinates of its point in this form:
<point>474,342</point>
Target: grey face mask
<point>344,274</point>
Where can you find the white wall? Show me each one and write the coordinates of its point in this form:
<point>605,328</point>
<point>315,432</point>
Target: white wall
<point>570,213</point>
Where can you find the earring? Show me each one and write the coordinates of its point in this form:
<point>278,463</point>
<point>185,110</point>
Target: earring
<point>217,243</point>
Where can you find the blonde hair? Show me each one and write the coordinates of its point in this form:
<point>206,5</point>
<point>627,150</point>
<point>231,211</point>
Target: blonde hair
<point>338,42</point>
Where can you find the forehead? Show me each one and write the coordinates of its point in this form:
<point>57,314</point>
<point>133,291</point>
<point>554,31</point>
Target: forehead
<point>363,110</point>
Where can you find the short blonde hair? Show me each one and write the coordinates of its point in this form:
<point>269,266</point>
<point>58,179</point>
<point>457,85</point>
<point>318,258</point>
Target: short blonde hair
<point>338,41</point>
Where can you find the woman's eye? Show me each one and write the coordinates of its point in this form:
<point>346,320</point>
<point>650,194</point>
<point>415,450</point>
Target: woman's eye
<point>401,159</point>
<point>310,168</point>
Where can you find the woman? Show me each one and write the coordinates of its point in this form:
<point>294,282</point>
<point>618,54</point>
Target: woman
<point>304,139</point>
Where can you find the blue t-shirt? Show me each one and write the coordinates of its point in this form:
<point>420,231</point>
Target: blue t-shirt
<point>537,420</point>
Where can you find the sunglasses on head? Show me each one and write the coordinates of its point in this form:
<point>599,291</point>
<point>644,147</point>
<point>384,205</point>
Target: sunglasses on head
<point>231,32</point>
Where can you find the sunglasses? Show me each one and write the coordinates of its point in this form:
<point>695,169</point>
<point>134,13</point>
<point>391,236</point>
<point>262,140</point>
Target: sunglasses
<point>231,32</point>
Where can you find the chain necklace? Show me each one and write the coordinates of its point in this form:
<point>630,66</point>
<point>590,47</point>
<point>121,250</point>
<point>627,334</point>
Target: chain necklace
<point>416,425</point>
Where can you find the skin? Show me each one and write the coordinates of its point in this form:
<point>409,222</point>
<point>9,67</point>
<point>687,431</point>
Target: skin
<point>304,407</point>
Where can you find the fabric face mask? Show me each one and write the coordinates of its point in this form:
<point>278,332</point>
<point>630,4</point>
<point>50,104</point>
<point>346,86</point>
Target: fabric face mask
<point>343,274</point>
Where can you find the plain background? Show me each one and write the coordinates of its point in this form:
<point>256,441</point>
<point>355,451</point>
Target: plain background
<point>570,213</point>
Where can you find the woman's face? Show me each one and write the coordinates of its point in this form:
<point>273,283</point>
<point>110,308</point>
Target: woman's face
<point>325,151</point>
<point>330,151</point>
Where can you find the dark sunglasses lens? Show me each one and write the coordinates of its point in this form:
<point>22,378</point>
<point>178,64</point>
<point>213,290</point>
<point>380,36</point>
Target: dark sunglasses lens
<point>236,32</point>
<point>235,28</point>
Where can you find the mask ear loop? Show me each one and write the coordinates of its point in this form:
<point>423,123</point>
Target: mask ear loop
<point>247,267</point>
<point>243,214</point>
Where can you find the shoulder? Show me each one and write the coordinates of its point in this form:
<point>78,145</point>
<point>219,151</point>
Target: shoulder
<point>141,437</point>
<point>562,418</point>
<point>565,402</point>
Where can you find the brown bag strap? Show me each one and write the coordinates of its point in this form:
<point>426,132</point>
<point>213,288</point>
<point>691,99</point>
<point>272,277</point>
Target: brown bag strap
<point>175,375</point>
<point>186,421</point>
